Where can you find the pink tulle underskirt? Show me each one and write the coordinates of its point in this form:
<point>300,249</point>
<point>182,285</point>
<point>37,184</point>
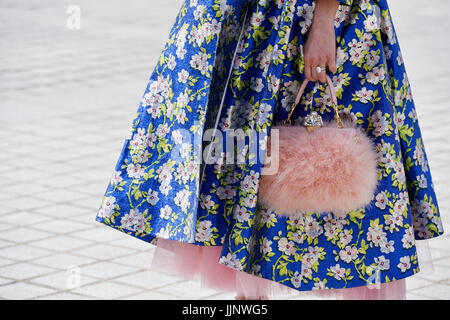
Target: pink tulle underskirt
<point>192,262</point>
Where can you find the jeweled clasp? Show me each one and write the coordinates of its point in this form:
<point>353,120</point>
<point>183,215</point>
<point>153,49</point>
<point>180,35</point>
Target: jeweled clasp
<point>313,121</point>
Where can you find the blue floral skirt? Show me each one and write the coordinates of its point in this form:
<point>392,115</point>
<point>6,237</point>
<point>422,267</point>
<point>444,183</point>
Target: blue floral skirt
<point>231,65</point>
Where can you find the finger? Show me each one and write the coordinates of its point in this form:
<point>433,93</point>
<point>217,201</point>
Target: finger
<point>314,74</point>
<point>332,64</point>
<point>321,76</point>
<point>308,74</point>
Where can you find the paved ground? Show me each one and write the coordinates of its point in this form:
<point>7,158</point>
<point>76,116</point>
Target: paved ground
<point>67,98</point>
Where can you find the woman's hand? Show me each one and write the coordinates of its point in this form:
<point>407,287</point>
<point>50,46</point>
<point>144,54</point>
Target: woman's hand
<point>320,46</point>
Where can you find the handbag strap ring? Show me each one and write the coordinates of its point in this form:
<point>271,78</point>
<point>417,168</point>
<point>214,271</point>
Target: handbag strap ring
<point>330,85</point>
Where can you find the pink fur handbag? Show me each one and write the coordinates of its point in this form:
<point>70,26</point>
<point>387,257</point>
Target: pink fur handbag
<point>323,166</point>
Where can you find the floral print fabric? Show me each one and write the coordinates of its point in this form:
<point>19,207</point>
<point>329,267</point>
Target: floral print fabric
<point>235,64</point>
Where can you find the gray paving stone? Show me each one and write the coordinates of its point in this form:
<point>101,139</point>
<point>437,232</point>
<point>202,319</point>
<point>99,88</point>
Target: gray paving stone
<point>25,203</point>
<point>22,235</point>
<point>60,210</point>
<point>151,295</point>
<point>100,233</point>
<point>65,280</point>
<point>103,252</point>
<point>61,243</point>
<point>65,296</point>
<point>22,290</point>
<point>61,226</point>
<point>188,289</point>
<point>107,270</point>
<point>148,279</point>
<point>23,253</point>
<point>63,261</point>
<point>436,291</point>
<point>23,218</point>
<point>22,271</point>
<point>107,290</point>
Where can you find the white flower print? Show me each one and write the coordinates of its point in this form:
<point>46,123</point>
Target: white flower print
<point>143,156</point>
<point>256,84</point>
<point>165,212</point>
<point>266,246</point>
<point>306,12</point>
<point>162,130</point>
<point>382,263</point>
<point>116,178</point>
<point>163,233</point>
<point>200,62</point>
<point>182,199</point>
<point>380,123</point>
<point>171,63</point>
<point>381,200</point>
<point>338,272</point>
<point>400,172</point>
<point>165,188</point>
<point>298,237</point>
<point>296,280</point>
<point>376,235</point>
<point>275,20</point>
<point>312,227</point>
<point>183,76</point>
<point>274,84</point>
<point>408,238</point>
<point>348,254</point>
<point>356,54</point>
<point>154,110</point>
<point>387,246</point>
<point>376,75</point>
<point>198,12</point>
<point>134,221</point>
<point>320,285</point>
<point>345,237</point>
<point>107,207</point>
<point>240,213</point>
<point>341,57</point>
<point>226,192</point>
<point>164,173</point>
<point>405,263</point>
<point>204,231</point>
<point>152,197</point>
<point>286,246</point>
<point>279,3</point>
<point>257,19</point>
<point>206,202</point>
<point>232,261</point>
<point>264,59</point>
<point>372,59</point>
<point>371,23</point>
<point>341,15</point>
<point>249,201</point>
<point>289,94</point>
<point>364,95</point>
<point>135,171</point>
<point>419,156</point>
<point>387,29</point>
<point>263,114</point>
<point>177,137</point>
<point>422,181</point>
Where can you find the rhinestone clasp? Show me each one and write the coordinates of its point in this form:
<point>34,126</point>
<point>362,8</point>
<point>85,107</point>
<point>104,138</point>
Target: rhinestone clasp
<point>313,121</point>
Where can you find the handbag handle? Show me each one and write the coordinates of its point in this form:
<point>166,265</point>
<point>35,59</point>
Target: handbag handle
<point>339,122</point>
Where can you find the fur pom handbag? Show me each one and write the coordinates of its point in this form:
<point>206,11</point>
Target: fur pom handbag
<point>323,166</point>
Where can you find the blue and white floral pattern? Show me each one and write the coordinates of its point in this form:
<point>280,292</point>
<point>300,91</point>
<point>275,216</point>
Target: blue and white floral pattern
<point>236,64</point>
